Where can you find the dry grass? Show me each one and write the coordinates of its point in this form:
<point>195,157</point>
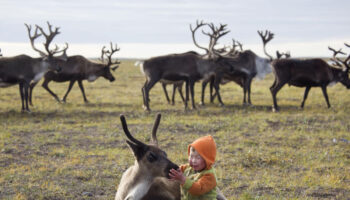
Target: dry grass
<point>77,150</point>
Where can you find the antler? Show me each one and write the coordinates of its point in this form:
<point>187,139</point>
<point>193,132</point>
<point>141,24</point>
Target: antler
<point>266,37</point>
<point>232,51</point>
<point>32,38</point>
<point>154,130</point>
<point>336,60</point>
<point>198,25</point>
<point>49,37</point>
<point>108,54</point>
<point>127,133</point>
<point>217,32</point>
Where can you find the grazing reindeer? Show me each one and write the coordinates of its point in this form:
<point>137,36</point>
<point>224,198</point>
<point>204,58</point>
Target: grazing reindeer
<point>248,65</point>
<point>147,179</point>
<point>309,73</point>
<point>188,67</point>
<point>77,69</point>
<point>23,69</point>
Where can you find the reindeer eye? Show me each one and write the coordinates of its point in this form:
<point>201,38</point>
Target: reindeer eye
<point>152,157</point>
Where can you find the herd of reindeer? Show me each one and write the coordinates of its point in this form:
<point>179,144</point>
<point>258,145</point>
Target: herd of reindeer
<point>218,65</point>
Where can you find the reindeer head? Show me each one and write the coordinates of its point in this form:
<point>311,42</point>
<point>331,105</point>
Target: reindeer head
<point>343,74</point>
<point>150,159</point>
<point>106,71</point>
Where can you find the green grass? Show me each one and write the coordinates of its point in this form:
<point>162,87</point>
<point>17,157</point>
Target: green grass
<point>78,151</point>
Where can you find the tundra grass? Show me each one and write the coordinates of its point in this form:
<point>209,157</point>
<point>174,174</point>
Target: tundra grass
<point>78,151</point>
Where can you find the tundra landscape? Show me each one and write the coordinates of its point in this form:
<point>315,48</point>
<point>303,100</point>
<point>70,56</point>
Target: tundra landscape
<point>77,150</point>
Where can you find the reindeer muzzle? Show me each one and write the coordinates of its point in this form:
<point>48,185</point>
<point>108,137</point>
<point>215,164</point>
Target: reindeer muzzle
<point>58,69</point>
<point>170,166</point>
<point>111,79</point>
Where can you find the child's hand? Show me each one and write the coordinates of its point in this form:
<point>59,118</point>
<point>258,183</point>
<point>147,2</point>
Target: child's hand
<point>177,175</point>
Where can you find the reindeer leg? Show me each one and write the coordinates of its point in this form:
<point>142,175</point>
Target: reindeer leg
<point>276,87</point>
<point>179,88</point>
<point>249,84</point>
<point>71,83</point>
<point>244,94</point>
<point>173,94</point>
<point>22,95</point>
<point>204,85</point>
<point>324,90</point>
<point>192,94</point>
<point>217,89</point>
<point>143,93</point>
<point>80,83</point>
<point>212,96</point>
<point>148,86</point>
<point>26,95</point>
<point>187,86</point>
<point>31,88</point>
<point>307,89</point>
<point>165,92</point>
<point>46,86</point>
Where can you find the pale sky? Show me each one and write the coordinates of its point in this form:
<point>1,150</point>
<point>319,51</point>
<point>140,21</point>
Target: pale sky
<point>157,27</point>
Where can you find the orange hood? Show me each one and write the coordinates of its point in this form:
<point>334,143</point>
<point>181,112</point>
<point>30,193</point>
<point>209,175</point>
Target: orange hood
<point>206,147</point>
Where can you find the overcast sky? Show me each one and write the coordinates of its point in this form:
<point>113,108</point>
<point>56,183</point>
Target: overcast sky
<point>153,27</point>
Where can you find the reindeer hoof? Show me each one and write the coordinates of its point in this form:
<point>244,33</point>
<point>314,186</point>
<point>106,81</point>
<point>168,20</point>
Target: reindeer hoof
<point>275,109</point>
<point>201,103</point>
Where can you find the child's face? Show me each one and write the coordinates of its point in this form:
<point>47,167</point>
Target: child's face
<point>196,161</point>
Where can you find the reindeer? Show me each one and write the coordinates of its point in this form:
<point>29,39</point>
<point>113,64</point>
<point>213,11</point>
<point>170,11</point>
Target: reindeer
<point>0,53</point>
<point>23,69</point>
<point>309,73</point>
<point>148,178</point>
<point>188,67</point>
<point>248,65</point>
<point>78,68</point>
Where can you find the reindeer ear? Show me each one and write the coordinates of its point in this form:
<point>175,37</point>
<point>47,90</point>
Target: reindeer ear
<point>138,150</point>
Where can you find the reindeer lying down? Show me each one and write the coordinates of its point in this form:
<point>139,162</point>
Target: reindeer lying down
<point>148,178</point>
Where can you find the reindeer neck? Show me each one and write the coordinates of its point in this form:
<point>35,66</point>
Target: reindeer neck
<point>335,72</point>
<point>140,182</point>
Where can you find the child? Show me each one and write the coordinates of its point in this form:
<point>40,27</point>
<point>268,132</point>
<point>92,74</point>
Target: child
<point>198,179</point>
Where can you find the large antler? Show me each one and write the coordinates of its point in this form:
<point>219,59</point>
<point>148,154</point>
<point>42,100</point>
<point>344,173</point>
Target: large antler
<point>266,37</point>
<point>49,37</point>
<point>217,32</point>
<point>198,25</point>
<point>108,54</point>
<point>32,38</point>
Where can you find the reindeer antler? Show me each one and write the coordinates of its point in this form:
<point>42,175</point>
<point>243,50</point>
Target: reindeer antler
<point>338,61</point>
<point>266,37</point>
<point>49,37</point>
<point>193,30</point>
<point>109,54</point>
